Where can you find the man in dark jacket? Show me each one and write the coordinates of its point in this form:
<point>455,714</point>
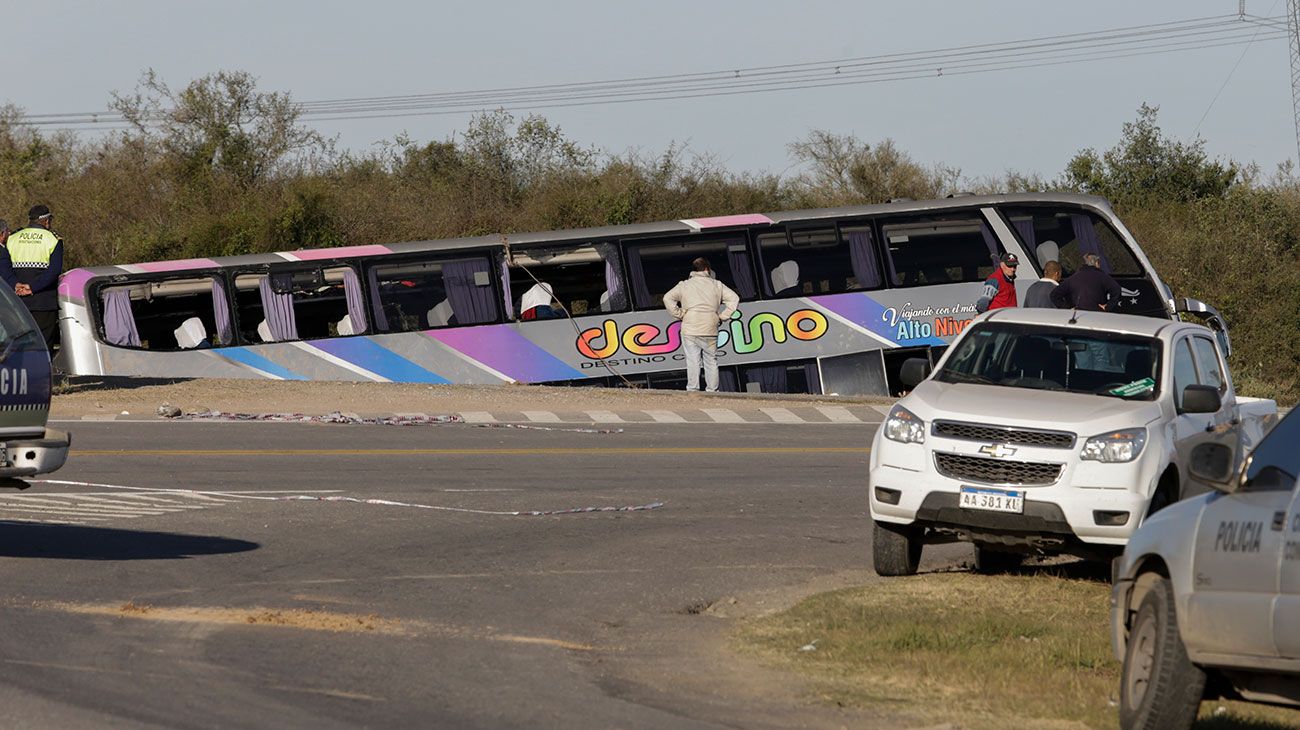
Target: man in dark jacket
<point>31,261</point>
<point>1088,289</point>
<point>1040,292</point>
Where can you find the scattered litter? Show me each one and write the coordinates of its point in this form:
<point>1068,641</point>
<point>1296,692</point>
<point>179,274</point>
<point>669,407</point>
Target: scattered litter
<point>528,427</point>
<point>126,413</point>
<point>332,417</point>
<point>400,419</point>
<point>359,500</point>
<point>1220,711</point>
<point>810,646</point>
<point>514,513</point>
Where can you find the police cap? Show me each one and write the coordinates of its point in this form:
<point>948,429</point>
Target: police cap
<point>38,211</point>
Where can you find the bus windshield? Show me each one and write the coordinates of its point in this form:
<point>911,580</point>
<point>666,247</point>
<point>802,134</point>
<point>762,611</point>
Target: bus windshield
<point>1078,361</point>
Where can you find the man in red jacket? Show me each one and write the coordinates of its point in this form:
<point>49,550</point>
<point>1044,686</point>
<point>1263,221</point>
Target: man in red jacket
<point>1000,287</point>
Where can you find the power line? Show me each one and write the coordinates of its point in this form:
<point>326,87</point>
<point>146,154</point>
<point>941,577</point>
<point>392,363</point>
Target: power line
<point>1116,43</point>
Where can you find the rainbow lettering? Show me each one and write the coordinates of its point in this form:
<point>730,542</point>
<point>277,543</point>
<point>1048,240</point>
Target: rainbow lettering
<point>599,343</point>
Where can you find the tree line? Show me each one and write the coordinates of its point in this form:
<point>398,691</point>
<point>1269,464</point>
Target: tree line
<point>219,167</point>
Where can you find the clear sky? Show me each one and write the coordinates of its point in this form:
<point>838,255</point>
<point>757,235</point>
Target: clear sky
<point>67,55</point>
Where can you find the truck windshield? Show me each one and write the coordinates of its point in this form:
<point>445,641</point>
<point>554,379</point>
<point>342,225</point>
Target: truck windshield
<point>1044,358</point>
<point>17,329</point>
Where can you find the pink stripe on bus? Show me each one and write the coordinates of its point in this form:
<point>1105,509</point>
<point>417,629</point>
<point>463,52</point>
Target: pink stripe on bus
<point>746,219</point>
<point>180,265</point>
<point>73,284</point>
<point>340,252</point>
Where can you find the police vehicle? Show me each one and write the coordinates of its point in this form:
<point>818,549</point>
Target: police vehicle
<point>1206,601</point>
<point>27,447</point>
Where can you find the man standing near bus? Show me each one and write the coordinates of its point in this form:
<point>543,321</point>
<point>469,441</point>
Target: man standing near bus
<point>701,302</point>
<point>1000,287</point>
<point>32,261</point>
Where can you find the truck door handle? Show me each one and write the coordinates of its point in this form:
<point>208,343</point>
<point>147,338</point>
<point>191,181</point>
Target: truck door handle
<point>1279,521</point>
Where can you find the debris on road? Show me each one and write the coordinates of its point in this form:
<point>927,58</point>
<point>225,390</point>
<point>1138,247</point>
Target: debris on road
<point>355,420</point>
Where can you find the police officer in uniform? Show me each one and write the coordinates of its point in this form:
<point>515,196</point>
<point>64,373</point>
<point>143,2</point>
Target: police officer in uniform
<point>31,262</point>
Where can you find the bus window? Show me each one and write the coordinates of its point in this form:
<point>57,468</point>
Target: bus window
<point>172,314</point>
<point>420,295</point>
<point>587,278</point>
<point>1066,235</point>
<point>818,261</point>
<point>655,267</point>
<point>299,305</point>
<point>939,249</point>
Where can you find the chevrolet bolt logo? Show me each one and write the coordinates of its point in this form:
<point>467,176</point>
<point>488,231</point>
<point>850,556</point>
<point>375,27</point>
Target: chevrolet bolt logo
<point>997,451</point>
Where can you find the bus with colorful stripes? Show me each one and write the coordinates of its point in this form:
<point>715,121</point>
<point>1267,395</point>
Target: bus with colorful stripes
<point>832,300</point>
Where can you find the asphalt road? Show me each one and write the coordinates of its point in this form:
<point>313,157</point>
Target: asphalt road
<point>237,608</point>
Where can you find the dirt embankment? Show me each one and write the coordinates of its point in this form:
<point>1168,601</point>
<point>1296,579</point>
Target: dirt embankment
<point>142,397</point>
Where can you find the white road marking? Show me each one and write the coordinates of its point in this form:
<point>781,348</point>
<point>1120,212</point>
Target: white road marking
<point>604,416</point>
<point>723,415</point>
<point>665,416</point>
<point>781,415</point>
<point>541,417</point>
<point>477,417</point>
<point>838,414</point>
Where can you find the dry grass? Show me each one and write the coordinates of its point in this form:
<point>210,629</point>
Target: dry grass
<point>983,651</point>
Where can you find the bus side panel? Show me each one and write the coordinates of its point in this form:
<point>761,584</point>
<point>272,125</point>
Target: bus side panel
<point>557,350</point>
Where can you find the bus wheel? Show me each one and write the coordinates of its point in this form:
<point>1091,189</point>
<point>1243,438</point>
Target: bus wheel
<point>895,549</point>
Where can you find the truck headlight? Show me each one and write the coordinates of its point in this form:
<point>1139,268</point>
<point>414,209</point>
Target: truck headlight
<point>1115,447</point>
<point>904,427</point>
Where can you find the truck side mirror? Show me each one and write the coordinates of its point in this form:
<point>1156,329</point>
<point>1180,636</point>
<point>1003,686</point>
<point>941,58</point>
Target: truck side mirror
<point>1213,463</point>
<point>1201,399</point>
<point>915,369</point>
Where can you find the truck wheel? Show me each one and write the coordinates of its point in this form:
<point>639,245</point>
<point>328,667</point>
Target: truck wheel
<point>1160,688</point>
<point>895,549</point>
<point>994,561</point>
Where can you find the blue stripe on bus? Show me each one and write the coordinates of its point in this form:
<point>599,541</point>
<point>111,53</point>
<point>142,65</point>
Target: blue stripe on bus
<point>363,352</point>
<point>244,356</point>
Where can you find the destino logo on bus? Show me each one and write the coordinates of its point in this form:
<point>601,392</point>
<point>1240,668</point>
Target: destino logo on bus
<point>599,343</point>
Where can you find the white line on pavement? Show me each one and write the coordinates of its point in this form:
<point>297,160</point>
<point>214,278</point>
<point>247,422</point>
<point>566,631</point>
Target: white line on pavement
<point>605,416</point>
<point>665,416</point>
<point>723,415</point>
<point>838,414</point>
<point>541,416</point>
<point>477,417</point>
<point>781,415</point>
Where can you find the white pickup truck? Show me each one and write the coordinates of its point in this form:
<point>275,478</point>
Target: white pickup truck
<point>1047,431</point>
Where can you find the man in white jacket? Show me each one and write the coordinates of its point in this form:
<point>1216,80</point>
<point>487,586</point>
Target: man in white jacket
<point>701,302</point>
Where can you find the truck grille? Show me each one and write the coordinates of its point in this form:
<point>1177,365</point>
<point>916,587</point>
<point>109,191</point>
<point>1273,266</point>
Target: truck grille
<point>996,471</point>
<point>1003,435</point>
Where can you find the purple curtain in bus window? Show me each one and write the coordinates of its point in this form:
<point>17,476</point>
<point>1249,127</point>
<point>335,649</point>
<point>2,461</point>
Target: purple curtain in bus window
<point>772,378</point>
<point>356,301</point>
<point>814,380</point>
<point>1026,230</point>
<point>613,287</point>
<point>1086,234</point>
<point>991,241</point>
<point>742,274</point>
<point>505,287</point>
<point>636,274</point>
<point>377,304</point>
<point>119,320</point>
<point>863,259</point>
<point>221,314</point>
<point>471,303</point>
<point>278,310</point>
<point>894,278</point>
<point>727,380</point>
